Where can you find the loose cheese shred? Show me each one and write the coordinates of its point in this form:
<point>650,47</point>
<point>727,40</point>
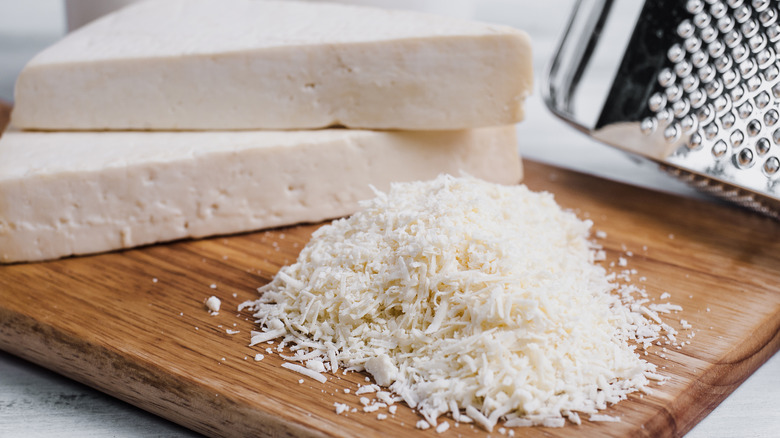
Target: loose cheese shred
<point>305,371</point>
<point>460,295</point>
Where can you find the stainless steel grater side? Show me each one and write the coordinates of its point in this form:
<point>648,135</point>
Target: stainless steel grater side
<point>692,85</point>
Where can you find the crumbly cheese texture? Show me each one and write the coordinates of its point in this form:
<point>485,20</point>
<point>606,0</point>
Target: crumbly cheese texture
<point>247,64</point>
<point>77,193</point>
<point>463,297</point>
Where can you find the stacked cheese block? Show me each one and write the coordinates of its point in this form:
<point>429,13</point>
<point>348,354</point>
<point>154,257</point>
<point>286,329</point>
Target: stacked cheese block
<point>189,118</point>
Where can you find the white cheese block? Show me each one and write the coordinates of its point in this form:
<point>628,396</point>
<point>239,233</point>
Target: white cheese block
<point>242,64</point>
<point>64,193</point>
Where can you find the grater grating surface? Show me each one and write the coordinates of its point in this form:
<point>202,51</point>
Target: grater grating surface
<point>697,90</point>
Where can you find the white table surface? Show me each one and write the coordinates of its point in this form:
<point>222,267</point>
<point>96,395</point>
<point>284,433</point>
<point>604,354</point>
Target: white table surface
<point>35,402</point>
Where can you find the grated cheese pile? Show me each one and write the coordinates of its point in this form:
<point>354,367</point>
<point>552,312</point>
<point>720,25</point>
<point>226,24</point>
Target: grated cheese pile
<point>464,298</point>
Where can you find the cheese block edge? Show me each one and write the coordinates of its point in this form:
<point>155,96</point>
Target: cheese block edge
<point>186,190</point>
<point>459,75</point>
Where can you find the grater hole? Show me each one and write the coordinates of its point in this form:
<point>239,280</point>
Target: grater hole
<point>765,59</point>
<point>771,117</point>
<point>711,131</point>
<point>672,133</point>
<point>745,110</point>
<point>692,44</point>
<point>701,19</point>
<point>773,32</point>
<point>762,100</point>
<point>736,138</point>
<point>722,104</point>
<point>727,121</point>
<point>699,59</point>
<point>776,136</point>
<point>705,114</point>
<point>753,83</point>
<point>690,83</point>
<point>748,68</point>
<point>681,108</point>
<point>732,38</point>
<point>731,78</point>
<point>749,28</point>
<point>698,98</point>
<point>738,93</point>
<point>673,93</point>
<point>694,143</point>
<point>744,159</point>
<point>723,63</point>
<point>772,72</point>
<point>760,5</point>
<point>666,77</point>
<point>740,52</point>
<point>771,166</point>
<point>689,123</point>
<point>648,125</point>
<point>741,13</point>
<point>656,102</point>
<point>708,34</point>
<point>714,90</point>
<point>694,6</point>
<point>762,146</point>
<point>767,17</point>
<point>776,90</point>
<point>753,128</point>
<point>685,29</point>
<point>718,10</point>
<point>676,53</point>
<point>716,48</point>
<point>720,149</point>
<point>664,115</point>
<point>757,43</point>
<point>725,24</point>
<point>683,68</point>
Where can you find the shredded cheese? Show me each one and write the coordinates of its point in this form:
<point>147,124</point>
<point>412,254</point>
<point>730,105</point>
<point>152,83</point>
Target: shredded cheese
<point>305,371</point>
<point>468,298</point>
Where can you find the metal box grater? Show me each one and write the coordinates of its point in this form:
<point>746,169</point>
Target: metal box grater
<point>695,87</point>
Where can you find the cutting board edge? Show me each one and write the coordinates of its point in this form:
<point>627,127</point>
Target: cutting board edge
<point>29,339</point>
<point>708,396</point>
<point>24,337</point>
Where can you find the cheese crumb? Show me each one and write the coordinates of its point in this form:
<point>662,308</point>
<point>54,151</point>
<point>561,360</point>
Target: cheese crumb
<point>213,303</point>
<point>259,357</point>
<point>423,425</point>
<point>460,291</point>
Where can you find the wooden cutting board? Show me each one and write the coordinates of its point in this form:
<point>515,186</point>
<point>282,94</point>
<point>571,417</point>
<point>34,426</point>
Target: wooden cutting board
<point>133,323</point>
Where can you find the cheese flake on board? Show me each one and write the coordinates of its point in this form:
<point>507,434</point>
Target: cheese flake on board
<point>465,297</point>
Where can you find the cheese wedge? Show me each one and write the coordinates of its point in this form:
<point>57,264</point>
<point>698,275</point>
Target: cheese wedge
<point>64,193</point>
<point>243,64</point>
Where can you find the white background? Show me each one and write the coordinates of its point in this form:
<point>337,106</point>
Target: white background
<point>37,403</point>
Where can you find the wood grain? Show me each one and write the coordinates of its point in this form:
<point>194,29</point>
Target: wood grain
<point>105,321</point>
